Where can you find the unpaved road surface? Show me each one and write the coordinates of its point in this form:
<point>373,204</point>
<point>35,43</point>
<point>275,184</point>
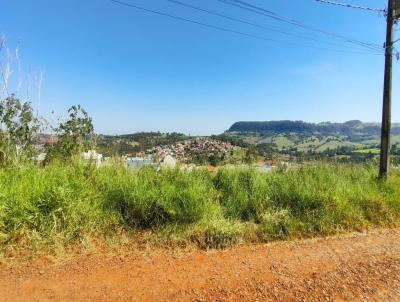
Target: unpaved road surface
<point>357,267</point>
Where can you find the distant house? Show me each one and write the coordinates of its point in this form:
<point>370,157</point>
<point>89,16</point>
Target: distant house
<point>260,163</point>
<point>211,168</point>
<point>187,167</point>
<point>264,167</point>
<point>139,162</point>
<point>92,155</point>
<point>40,157</point>
<point>168,162</point>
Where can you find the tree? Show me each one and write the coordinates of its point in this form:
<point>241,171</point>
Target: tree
<point>74,136</point>
<point>18,128</point>
<point>18,124</point>
<point>249,157</point>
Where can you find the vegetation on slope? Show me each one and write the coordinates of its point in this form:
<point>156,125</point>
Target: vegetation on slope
<point>67,204</point>
<point>138,142</point>
<point>351,129</point>
<point>300,141</point>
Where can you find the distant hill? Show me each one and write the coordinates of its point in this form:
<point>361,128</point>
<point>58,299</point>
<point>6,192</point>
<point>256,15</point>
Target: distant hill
<point>353,128</point>
<point>316,137</point>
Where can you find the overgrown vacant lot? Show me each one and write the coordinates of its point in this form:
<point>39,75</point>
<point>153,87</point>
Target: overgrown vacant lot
<point>58,206</point>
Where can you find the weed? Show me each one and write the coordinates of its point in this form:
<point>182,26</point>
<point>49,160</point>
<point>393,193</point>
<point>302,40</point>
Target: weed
<point>63,204</point>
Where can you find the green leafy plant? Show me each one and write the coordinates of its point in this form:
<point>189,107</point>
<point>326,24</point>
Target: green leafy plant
<point>74,136</point>
<point>18,129</point>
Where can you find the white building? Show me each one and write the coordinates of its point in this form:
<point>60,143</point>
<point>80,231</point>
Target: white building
<point>92,155</point>
<point>168,162</point>
<point>139,162</point>
<point>40,157</point>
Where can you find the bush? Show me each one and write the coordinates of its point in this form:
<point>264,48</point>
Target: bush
<point>275,225</point>
<point>217,235</point>
<point>150,199</point>
<point>63,204</point>
<point>244,193</point>
<point>45,205</point>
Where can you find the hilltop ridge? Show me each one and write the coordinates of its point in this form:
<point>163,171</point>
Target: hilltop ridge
<point>294,137</point>
<point>349,128</point>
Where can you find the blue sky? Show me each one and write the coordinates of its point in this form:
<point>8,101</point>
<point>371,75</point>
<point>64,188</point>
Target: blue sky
<point>135,71</point>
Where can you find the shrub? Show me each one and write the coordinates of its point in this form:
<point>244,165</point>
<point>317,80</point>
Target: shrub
<point>152,199</point>
<point>66,203</point>
<point>275,225</point>
<point>244,193</point>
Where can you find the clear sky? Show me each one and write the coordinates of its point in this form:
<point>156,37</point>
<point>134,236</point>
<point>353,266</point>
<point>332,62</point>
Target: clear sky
<point>136,71</point>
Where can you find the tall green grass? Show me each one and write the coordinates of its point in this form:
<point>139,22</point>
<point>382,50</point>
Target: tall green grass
<point>69,204</point>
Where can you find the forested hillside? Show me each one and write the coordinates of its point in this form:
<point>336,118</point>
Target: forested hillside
<point>354,130</point>
<point>353,139</point>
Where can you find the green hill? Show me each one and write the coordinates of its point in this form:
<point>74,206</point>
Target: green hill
<point>353,129</point>
<point>312,137</point>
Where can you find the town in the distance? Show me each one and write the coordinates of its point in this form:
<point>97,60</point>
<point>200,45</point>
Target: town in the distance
<point>264,145</point>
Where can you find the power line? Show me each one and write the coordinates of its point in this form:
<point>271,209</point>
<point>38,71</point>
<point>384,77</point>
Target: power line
<point>190,20</point>
<point>226,29</point>
<point>214,13</point>
<point>262,11</point>
<point>267,13</point>
<point>379,10</point>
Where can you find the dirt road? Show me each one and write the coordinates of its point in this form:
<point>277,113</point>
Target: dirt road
<point>357,267</point>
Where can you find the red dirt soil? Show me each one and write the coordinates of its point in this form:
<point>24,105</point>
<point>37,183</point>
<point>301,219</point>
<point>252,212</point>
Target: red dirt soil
<point>356,267</point>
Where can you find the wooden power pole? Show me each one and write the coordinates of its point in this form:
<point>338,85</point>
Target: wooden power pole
<point>387,91</point>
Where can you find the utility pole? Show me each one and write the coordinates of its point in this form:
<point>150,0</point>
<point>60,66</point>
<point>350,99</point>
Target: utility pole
<point>387,93</point>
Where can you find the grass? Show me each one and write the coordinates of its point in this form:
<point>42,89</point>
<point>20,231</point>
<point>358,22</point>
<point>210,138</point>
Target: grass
<point>282,142</point>
<point>335,144</point>
<point>46,208</point>
<point>367,151</point>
